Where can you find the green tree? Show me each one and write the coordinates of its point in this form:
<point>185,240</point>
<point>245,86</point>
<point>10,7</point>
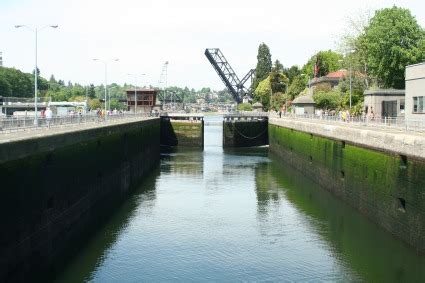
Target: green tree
<point>327,61</point>
<point>5,88</point>
<point>327,100</point>
<point>296,87</point>
<point>244,107</point>
<point>91,93</point>
<point>292,72</point>
<point>264,65</point>
<point>263,93</point>
<point>392,40</point>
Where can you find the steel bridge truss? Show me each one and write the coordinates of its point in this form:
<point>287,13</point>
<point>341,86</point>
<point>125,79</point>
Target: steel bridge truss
<point>228,76</point>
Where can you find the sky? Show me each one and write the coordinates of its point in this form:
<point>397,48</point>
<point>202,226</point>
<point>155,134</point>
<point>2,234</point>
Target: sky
<point>143,34</point>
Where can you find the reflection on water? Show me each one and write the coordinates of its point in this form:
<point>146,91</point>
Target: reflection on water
<point>238,215</point>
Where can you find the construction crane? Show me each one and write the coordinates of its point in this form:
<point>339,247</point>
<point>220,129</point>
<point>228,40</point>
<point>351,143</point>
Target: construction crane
<point>172,98</point>
<point>228,76</point>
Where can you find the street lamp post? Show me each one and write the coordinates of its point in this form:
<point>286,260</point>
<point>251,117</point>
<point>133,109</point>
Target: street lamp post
<point>351,89</point>
<point>105,62</point>
<point>135,90</point>
<point>35,30</point>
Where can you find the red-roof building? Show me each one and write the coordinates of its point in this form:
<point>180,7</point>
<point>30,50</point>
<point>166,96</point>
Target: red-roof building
<point>145,100</point>
<point>331,79</point>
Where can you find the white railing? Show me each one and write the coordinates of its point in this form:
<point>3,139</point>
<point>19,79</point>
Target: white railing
<point>24,123</point>
<point>399,123</point>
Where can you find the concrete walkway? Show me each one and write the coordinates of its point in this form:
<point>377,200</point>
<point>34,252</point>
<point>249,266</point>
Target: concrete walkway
<point>391,140</point>
<point>44,131</point>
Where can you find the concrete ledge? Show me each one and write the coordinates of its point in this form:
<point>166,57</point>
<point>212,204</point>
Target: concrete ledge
<point>391,141</point>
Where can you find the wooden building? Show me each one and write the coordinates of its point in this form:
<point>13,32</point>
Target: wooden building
<point>145,100</point>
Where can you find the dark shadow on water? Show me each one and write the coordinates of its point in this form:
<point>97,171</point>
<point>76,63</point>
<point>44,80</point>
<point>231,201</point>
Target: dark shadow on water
<point>91,255</point>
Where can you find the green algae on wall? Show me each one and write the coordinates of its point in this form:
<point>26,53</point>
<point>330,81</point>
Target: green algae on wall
<point>387,188</point>
<point>53,199</point>
<point>182,133</point>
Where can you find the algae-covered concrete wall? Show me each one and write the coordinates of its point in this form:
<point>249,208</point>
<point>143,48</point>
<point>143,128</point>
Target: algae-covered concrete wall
<point>245,133</point>
<point>182,133</point>
<point>388,188</point>
<point>59,188</point>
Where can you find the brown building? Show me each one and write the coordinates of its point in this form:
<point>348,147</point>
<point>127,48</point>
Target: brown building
<point>145,100</point>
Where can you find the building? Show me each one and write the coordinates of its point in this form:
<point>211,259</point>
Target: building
<point>303,105</point>
<point>415,92</point>
<point>332,79</point>
<point>145,100</point>
<point>388,103</point>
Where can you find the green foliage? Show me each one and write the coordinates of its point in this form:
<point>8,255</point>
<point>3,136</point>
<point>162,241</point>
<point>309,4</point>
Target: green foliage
<point>327,100</point>
<point>91,92</point>
<point>327,62</point>
<point>264,65</point>
<point>244,107</point>
<point>19,84</point>
<point>5,87</point>
<point>392,40</point>
<point>292,73</point>
<point>278,100</point>
<point>94,104</point>
<point>278,80</point>
<point>296,87</point>
<point>263,92</point>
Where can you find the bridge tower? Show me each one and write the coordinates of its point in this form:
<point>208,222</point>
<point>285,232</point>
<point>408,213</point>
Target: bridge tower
<point>226,73</point>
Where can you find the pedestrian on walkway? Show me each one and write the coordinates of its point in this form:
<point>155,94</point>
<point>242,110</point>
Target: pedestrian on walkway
<point>49,115</point>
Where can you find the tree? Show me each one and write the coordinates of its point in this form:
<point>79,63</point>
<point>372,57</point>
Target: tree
<point>263,93</point>
<point>296,87</point>
<point>91,93</point>
<point>292,72</point>
<point>5,88</point>
<point>244,107</point>
<point>52,79</point>
<point>264,64</point>
<point>327,61</point>
<point>327,100</point>
<point>392,40</point>
<point>277,78</point>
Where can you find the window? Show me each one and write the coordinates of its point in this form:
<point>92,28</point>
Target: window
<point>402,106</point>
<point>420,104</point>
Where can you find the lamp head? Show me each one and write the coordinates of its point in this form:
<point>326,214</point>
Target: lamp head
<point>18,26</point>
<point>54,26</point>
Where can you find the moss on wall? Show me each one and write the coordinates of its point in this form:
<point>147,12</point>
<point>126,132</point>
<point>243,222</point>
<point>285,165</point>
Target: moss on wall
<point>182,133</point>
<point>388,188</point>
<point>52,199</point>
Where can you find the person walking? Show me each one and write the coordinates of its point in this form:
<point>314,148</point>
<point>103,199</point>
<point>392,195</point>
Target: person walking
<point>49,115</point>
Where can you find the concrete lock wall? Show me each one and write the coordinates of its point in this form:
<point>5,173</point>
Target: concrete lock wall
<point>182,133</point>
<point>245,133</point>
<point>387,187</point>
<point>55,190</point>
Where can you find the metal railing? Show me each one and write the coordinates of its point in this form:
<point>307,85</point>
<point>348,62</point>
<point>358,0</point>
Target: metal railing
<point>399,123</point>
<point>25,123</point>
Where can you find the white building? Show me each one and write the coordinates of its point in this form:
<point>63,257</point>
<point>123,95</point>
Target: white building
<point>415,92</point>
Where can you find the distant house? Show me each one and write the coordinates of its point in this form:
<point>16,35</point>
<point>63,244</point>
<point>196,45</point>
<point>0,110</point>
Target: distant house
<point>388,103</point>
<point>145,100</point>
<point>303,105</point>
<point>332,79</point>
<point>415,92</point>
<point>257,107</point>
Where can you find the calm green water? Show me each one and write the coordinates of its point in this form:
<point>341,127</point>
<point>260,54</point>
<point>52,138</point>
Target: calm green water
<point>238,216</point>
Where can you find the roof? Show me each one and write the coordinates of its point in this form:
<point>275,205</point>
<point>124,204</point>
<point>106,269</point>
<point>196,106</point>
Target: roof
<point>337,74</point>
<point>385,92</point>
<point>304,99</point>
<point>257,104</point>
